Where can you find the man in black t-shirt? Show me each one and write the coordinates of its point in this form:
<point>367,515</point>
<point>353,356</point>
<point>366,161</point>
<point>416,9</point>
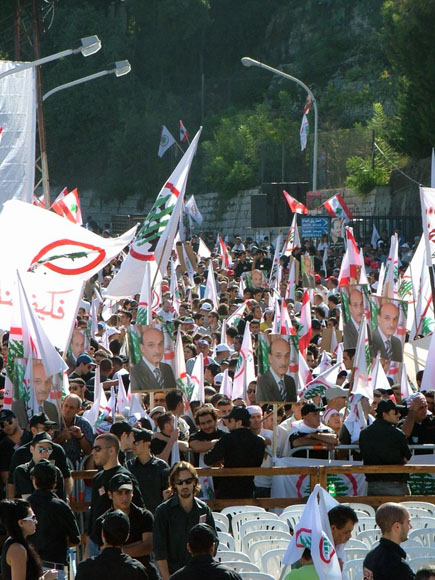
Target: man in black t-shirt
<point>204,439</point>
<point>139,544</point>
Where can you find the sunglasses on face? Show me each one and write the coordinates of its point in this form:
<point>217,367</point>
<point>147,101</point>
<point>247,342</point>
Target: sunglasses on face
<point>6,422</point>
<point>44,449</point>
<point>250,391</point>
<point>187,481</point>
<point>31,518</point>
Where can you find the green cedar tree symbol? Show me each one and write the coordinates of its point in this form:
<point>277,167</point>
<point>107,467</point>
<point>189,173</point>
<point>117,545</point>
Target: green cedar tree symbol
<point>339,481</point>
<point>74,208</point>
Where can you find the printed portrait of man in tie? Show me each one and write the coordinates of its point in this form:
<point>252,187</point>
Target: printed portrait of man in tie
<point>275,386</point>
<point>383,338</point>
<point>150,373</point>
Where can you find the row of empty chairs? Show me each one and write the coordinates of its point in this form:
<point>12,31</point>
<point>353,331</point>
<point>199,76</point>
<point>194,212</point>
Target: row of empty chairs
<point>253,541</point>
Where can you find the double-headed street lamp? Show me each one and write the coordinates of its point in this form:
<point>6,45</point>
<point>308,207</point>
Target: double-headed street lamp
<point>118,68</point>
<point>86,46</point>
<point>246,61</point>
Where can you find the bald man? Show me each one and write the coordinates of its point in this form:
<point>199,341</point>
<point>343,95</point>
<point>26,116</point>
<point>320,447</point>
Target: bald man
<point>150,374</point>
<point>383,340</point>
<point>356,310</point>
<point>275,385</point>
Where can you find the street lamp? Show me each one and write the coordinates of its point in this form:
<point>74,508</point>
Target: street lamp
<point>85,46</point>
<point>246,61</point>
<point>118,68</point>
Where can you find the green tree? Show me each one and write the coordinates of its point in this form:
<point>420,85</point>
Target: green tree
<point>407,38</point>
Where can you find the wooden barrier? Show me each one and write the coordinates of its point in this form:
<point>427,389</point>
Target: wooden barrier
<point>318,474</point>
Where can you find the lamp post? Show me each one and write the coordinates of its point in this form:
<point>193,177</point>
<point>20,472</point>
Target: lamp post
<point>246,61</point>
<point>86,46</point>
<point>118,68</point>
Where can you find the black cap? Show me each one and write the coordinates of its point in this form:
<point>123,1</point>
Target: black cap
<point>41,437</point>
<point>387,406</point>
<point>44,467</point>
<point>120,481</point>
<point>239,414</point>
<point>316,324</point>
<point>117,520</point>
<point>142,434</point>
<point>7,414</point>
<point>201,537</point>
<point>120,427</point>
<point>310,408</point>
<point>40,419</point>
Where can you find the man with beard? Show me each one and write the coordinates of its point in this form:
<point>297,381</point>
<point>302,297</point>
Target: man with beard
<point>174,519</point>
<point>13,438</point>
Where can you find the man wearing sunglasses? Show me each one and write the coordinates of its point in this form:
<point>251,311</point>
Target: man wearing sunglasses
<point>40,448</point>
<point>174,519</point>
<point>13,437</point>
<point>382,443</point>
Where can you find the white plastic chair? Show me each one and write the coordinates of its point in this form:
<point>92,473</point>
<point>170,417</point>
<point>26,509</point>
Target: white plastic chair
<point>417,513</point>
<point>291,518</point>
<point>242,566</point>
<point>364,507</point>
<point>239,519</point>
<point>271,536</point>
<point>255,576</point>
<point>410,544</point>
<point>426,536</point>
<point>354,543</point>
<point>425,505</point>
<point>420,552</point>
<point>222,548</point>
<point>221,521</point>
<point>354,569</point>
<point>263,525</point>
<point>297,508</point>
<point>362,524</point>
<point>419,523</point>
<point>272,562</point>
<point>239,509</point>
<point>417,563</point>
<point>369,537</point>
<point>258,549</point>
<point>356,553</point>
<point>231,556</point>
<point>227,540</point>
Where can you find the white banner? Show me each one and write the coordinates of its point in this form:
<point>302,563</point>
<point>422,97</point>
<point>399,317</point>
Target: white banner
<point>55,303</point>
<point>39,239</point>
<point>427,198</point>
<point>18,124</point>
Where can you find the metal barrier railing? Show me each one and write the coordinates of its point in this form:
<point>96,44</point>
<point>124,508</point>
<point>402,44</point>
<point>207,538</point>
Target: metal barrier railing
<point>428,448</point>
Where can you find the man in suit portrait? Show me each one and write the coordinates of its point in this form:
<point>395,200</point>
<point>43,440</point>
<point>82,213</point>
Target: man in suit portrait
<point>42,386</point>
<point>275,385</point>
<point>383,340</point>
<point>150,374</point>
<point>356,310</point>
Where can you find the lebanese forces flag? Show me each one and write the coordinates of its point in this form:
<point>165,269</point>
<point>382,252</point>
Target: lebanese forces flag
<point>184,133</point>
<point>295,205</point>
<point>68,205</point>
<point>224,253</point>
<point>154,240</point>
<point>292,240</point>
<point>337,208</point>
<point>305,331</point>
<point>352,269</point>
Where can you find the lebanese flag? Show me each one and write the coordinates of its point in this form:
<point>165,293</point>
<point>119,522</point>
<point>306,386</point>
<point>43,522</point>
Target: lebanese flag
<point>68,206</point>
<point>337,208</point>
<point>305,333</point>
<point>285,322</point>
<point>38,201</point>
<point>362,379</point>
<point>352,269</point>
<point>224,253</point>
<point>294,205</point>
<point>184,133</point>
<point>292,240</point>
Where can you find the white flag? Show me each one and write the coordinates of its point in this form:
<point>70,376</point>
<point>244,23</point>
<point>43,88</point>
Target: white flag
<point>245,370</point>
<point>210,289</point>
<point>375,237</point>
<point>362,381</point>
<point>197,379</point>
<point>427,198</point>
<point>166,141</point>
<point>303,132</point>
<point>203,251</point>
<point>193,211</point>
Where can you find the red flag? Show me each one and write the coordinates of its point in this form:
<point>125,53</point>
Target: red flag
<point>294,205</point>
<point>184,133</point>
<point>307,105</point>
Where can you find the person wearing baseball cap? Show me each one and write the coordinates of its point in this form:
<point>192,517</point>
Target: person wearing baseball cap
<point>238,448</point>
<point>201,546</point>
<point>383,443</point>
<point>139,543</point>
<point>309,432</point>
<point>336,398</point>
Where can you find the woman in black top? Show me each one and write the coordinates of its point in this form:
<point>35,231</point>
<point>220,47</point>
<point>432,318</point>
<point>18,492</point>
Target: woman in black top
<point>19,560</point>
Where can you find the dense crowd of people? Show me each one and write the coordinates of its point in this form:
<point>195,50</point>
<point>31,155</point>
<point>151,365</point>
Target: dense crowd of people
<point>146,519</point>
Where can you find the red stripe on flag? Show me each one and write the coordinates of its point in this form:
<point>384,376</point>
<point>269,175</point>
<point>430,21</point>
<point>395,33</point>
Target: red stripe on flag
<point>142,257</point>
<point>172,188</point>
